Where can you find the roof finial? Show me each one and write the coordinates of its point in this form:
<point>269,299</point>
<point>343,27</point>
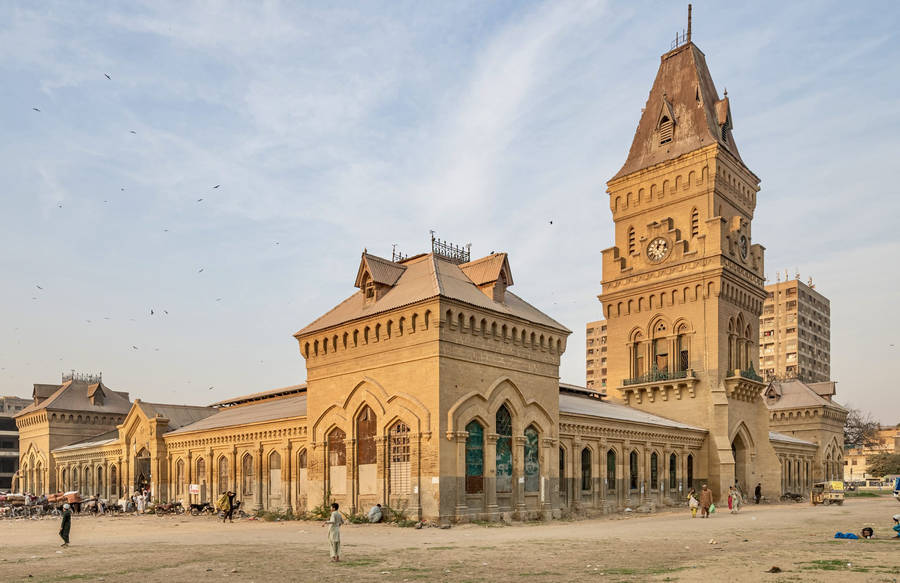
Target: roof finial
<point>689,24</point>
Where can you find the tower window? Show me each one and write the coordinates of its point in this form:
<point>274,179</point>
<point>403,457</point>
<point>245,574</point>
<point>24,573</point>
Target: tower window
<point>631,240</point>
<point>666,128</point>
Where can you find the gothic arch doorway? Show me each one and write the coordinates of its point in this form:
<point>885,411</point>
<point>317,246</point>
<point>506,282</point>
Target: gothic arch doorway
<point>741,452</point>
<point>142,475</point>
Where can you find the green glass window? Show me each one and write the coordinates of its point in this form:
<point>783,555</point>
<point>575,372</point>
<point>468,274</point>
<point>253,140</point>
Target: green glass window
<point>475,458</point>
<point>532,461</point>
<point>504,450</point>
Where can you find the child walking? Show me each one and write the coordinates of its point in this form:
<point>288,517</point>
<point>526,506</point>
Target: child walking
<point>693,503</point>
<point>334,531</point>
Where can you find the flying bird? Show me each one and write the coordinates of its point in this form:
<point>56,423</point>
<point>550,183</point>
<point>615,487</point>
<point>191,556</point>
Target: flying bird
<point>39,287</point>
<point>107,76</point>
<point>134,347</point>
<point>165,230</point>
<point>134,132</point>
<point>59,205</point>
<point>36,109</point>
<point>211,388</point>
<point>166,312</point>
<point>201,270</point>
<point>551,222</point>
<point>218,299</point>
<point>217,186</point>
<point>122,189</point>
<point>151,311</point>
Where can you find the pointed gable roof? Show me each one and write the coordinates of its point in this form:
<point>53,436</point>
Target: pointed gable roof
<point>488,269</point>
<point>79,396</point>
<point>684,89</point>
<point>380,270</point>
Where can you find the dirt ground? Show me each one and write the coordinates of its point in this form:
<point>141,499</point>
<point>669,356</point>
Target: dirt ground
<point>667,546</point>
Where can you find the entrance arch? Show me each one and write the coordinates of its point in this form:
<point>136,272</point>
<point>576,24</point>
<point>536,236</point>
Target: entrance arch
<point>740,451</point>
<point>142,470</point>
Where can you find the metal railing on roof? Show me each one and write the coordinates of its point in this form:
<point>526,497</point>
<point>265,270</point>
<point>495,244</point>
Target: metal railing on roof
<point>81,377</point>
<point>449,251</point>
<point>658,375</point>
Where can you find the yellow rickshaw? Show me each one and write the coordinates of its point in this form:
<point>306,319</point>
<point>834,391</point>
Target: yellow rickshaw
<point>831,492</point>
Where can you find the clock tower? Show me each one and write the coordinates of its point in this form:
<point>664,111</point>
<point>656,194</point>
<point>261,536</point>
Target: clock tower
<point>683,282</point>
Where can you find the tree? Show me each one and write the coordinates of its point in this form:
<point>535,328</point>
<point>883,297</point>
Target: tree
<point>860,430</point>
<point>883,464</point>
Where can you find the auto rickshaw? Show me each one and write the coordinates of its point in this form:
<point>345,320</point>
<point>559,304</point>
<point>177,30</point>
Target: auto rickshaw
<point>831,492</point>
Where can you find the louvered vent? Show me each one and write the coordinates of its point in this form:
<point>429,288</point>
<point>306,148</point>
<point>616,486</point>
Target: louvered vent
<point>666,128</point>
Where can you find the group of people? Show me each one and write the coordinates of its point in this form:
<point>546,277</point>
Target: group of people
<point>706,505</point>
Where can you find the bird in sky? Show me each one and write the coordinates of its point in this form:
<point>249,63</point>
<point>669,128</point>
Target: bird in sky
<point>107,76</point>
<point>39,287</point>
<point>199,200</point>
<point>36,109</point>
<point>551,222</point>
<point>134,132</point>
<point>122,189</point>
<point>107,318</point>
<point>217,186</point>
<point>151,311</point>
<point>201,270</point>
<point>211,388</point>
<point>165,230</point>
<point>218,299</point>
<point>59,205</point>
<point>166,312</point>
<point>134,347</point>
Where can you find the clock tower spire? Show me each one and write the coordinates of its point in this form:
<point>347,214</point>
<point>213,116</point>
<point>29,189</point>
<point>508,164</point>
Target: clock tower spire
<point>683,282</point>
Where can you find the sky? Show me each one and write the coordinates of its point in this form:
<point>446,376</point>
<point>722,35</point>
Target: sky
<point>240,156</point>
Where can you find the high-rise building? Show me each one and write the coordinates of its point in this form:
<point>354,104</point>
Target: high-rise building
<point>9,439</point>
<point>795,333</point>
<point>595,356</point>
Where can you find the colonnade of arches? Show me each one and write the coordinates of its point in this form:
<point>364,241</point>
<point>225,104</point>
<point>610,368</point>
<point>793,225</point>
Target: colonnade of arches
<point>99,478</point>
<point>662,348</point>
<point>615,476</point>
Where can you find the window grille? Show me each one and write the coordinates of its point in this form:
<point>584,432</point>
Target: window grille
<point>532,461</point>
<point>399,459</point>
<point>504,450</point>
<point>633,470</point>
<point>611,469</point>
<point>666,130</point>
<point>586,469</point>
<point>474,458</point>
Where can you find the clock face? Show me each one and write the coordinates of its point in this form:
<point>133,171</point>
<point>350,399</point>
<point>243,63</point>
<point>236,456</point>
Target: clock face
<point>743,245</point>
<point>658,249</point>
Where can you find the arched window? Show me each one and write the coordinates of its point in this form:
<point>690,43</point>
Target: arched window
<point>62,478</point>
<point>365,435</point>
<point>201,471</point>
<point>690,471</point>
<point>504,450</point>
<point>682,350</point>
<point>673,472</point>
<point>179,477</point>
<point>633,470</point>
<point>585,469</point>
<point>223,474</point>
<point>39,479</point>
<point>301,459</point>
<point>474,458</point>
<point>337,461</point>
<point>532,461</point>
<point>654,471</point>
<point>275,474</point>
<point>563,488</point>
<point>611,469</point>
<point>399,458</point>
<point>99,488</point>
<point>632,245</point>
<point>247,474</point>
<point>113,481</point>
<point>695,223</point>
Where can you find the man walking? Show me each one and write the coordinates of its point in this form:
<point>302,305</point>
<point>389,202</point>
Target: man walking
<point>66,525</point>
<point>757,493</point>
<point>228,507</point>
<point>706,500</point>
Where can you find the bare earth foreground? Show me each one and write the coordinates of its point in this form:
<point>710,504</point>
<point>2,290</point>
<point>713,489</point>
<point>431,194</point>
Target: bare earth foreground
<point>664,547</point>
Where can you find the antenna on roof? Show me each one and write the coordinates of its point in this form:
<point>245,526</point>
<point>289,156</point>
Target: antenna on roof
<point>688,39</point>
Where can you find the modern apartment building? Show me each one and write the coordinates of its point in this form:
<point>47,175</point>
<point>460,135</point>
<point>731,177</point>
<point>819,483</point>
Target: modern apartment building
<point>595,356</point>
<point>795,333</point>
<point>9,439</point>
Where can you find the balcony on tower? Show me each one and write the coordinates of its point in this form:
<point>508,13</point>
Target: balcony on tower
<point>659,383</point>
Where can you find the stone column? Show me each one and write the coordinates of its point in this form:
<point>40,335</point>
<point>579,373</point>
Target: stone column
<point>548,464</point>
<point>415,474</point>
<point>211,494</point>
<point>518,475</point>
<point>462,508</point>
<point>490,474</point>
<point>190,478</point>
<point>234,469</point>
<point>352,488</point>
<point>577,446</point>
<point>259,480</point>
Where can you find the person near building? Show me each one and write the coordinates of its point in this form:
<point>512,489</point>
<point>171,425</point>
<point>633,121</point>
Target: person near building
<point>737,499</point>
<point>706,500</point>
<point>375,514</point>
<point>693,503</point>
<point>334,531</point>
<point>757,493</point>
<point>66,525</point>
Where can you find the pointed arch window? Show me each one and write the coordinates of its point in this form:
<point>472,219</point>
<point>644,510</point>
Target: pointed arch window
<point>504,450</point>
<point>274,484</point>
<point>179,477</point>
<point>654,471</point>
<point>673,471</point>
<point>113,481</point>
<point>585,469</point>
<point>611,469</point>
<point>399,458</point>
<point>247,474</point>
<point>633,470</point>
<point>365,434</point>
<point>223,474</point>
<point>474,458</point>
<point>532,460</point>
<point>666,130</point>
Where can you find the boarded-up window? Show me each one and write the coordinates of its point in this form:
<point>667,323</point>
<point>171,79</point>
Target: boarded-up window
<point>532,461</point>
<point>337,451</point>
<point>611,469</point>
<point>274,474</point>
<point>301,461</point>
<point>673,472</point>
<point>504,450</point>
<point>365,434</point>
<point>223,474</point>
<point>585,469</point>
<point>474,458</point>
<point>633,470</point>
<point>399,458</point>
<point>247,474</point>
